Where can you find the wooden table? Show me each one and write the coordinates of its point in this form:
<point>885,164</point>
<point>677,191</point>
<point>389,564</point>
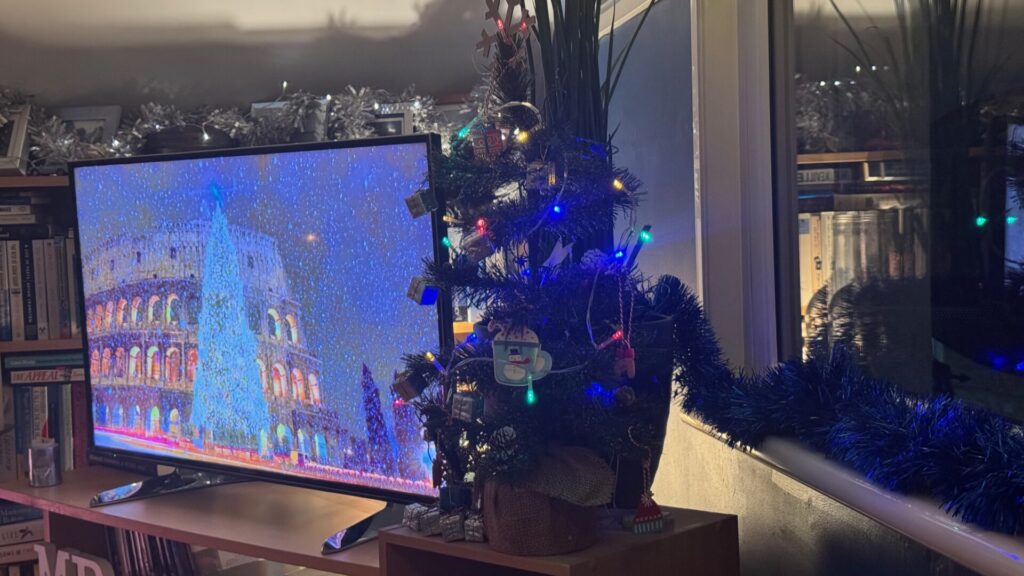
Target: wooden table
<point>288,524</point>
<point>699,543</point>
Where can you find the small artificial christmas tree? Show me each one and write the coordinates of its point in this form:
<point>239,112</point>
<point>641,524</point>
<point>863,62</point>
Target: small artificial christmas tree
<point>574,352</point>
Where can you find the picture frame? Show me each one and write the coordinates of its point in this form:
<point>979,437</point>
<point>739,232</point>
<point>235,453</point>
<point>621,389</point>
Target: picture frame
<point>92,124</point>
<point>397,123</point>
<point>314,125</point>
<point>14,142</point>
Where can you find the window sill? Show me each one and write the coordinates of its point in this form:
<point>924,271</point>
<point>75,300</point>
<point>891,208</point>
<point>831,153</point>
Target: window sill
<point>917,518</point>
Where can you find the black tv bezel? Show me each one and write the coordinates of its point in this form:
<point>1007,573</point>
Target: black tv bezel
<point>444,307</point>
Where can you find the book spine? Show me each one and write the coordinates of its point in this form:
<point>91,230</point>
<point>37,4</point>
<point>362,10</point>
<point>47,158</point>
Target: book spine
<point>22,419</point>
<point>75,307</point>
<point>67,430</point>
<point>52,290</point>
<point>5,303</point>
<point>25,231</point>
<point>47,376</point>
<point>18,553</point>
<point>11,513</point>
<point>14,283</point>
<point>42,276</point>
<point>28,290</point>
<point>20,219</point>
<point>22,532</point>
<point>80,423</point>
<point>8,460</point>
<point>75,358</point>
<point>40,414</point>
<point>62,287</point>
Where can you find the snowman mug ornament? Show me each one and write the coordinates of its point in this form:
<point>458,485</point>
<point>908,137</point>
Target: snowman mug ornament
<point>518,359</point>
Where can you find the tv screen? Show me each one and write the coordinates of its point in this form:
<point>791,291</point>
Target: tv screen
<point>246,310</point>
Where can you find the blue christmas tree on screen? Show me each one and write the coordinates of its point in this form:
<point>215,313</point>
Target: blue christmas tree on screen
<point>228,404</point>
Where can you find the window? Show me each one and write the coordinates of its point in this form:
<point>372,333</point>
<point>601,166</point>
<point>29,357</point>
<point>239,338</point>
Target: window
<point>174,253</point>
<point>138,257</point>
<point>909,141</point>
<point>250,261</point>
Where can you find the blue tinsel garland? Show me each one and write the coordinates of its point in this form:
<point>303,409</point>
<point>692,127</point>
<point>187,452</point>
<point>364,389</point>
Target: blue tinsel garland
<point>969,459</point>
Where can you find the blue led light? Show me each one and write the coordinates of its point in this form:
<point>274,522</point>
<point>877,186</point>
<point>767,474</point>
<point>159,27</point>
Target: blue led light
<point>619,254</point>
<point>557,209</point>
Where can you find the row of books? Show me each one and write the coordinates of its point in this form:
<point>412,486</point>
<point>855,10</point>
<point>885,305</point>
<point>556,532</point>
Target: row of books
<point>21,528</point>
<point>38,290</point>
<point>136,554</point>
<point>43,398</point>
<point>840,248</point>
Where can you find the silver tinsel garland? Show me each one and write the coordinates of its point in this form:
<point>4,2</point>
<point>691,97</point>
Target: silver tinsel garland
<point>348,115</point>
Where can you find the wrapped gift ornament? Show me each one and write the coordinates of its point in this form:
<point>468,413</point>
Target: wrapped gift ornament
<point>467,407</point>
<point>477,246</point>
<point>452,526</point>
<point>540,174</point>
<point>412,515</point>
<point>430,522</point>
<point>421,203</point>
<point>422,292</point>
<point>488,143</point>
<point>409,385</point>
<point>474,527</point>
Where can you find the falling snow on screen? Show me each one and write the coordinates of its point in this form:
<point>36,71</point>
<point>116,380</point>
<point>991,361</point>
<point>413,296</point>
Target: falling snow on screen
<point>251,310</point>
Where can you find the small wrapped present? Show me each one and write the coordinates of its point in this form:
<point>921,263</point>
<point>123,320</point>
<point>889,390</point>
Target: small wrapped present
<point>430,522</point>
<point>409,385</point>
<point>477,245</point>
<point>474,527</point>
<point>467,407</point>
<point>421,203</point>
<point>411,516</point>
<point>422,291</point>
<point>452,528</point>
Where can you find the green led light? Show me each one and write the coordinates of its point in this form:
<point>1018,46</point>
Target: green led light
<point>1011,220</point>
<point>645,236</point>
<point>531,397</point>
<point>980,221</point>
<point>447,243</point>
<point>464,131</point>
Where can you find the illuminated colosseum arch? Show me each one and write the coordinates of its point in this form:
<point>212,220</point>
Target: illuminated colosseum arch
<point>107,354</point>
<point>303,442</point>
<point>191,361</point>
<point>277,379</point>
<point>119,363</point>
<point>274,324</point>
<point>171,309</point>
<point>314,388</point>
<point>97,313</point>
<point>108,318</point>
<point>284,438</point>
<point>134,313</point>
<point>153,309</point>
<point>173,361</point>
<point>135,363</point>
<point>121,317</point>
<point>320,447</point>
<point>292,325</point>
<point>153,426</point>
<point>298,385</point>
<point>174,423</point>
<point>117,420</point>
<point>153,363</point>
<point>94,362</point>
<point>263,376</point>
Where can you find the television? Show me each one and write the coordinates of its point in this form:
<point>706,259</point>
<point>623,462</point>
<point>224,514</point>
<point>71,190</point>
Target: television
<point>245,311</point>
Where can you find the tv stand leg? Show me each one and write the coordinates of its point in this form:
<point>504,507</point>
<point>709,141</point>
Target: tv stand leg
<point>181,480</point>
<point>363,530</point>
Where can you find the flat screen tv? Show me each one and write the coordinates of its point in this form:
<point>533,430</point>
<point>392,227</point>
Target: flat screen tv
<point>246,309</point>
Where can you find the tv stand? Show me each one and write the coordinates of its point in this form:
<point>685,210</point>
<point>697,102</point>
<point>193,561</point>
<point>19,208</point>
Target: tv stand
<point>363,530</point>
<point>180,480</point>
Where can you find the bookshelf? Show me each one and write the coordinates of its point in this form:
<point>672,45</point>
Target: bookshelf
<point>34,182</point>
<point>14,347</point>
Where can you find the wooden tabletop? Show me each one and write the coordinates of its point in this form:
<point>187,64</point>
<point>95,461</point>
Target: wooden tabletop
<point>264,520</point>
